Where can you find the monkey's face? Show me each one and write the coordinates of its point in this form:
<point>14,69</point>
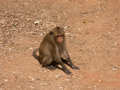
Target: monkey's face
<point>60,38</point>
<point>59,33</point>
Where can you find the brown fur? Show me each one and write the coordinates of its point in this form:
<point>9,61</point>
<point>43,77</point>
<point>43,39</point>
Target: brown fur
<point>51,50</point>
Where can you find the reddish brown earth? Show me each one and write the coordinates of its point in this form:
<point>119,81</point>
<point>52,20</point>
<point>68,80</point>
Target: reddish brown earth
<point>93,40</point>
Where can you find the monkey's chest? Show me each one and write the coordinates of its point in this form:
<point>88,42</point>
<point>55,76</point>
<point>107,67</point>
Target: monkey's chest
<point>60,49</point>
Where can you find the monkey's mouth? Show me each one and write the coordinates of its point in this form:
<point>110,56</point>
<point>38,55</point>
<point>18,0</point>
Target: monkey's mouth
<point>60,39</point>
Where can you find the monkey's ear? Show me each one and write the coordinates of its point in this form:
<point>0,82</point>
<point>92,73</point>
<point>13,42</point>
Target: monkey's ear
<point>66,28</point>
<point>57,27</point>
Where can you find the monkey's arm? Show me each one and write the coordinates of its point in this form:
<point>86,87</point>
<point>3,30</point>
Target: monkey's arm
<point>68,60</point>
<point>59,61</point>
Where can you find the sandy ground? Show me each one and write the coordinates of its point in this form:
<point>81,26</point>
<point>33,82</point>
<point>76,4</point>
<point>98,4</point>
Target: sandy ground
<point>93,41</point>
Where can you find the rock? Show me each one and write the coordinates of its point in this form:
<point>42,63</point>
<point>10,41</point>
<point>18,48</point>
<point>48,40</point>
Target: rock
<point>115,68</point>
<point>58,76</point>
<point>67,79</point>
<point>6,80</point>
<point>61,88</point>
<point>95,87</point>
<point>99,81</point>
<point>66,27</point>
<point>31,48</point>
<point>37,22</point>
<point>31,78</point>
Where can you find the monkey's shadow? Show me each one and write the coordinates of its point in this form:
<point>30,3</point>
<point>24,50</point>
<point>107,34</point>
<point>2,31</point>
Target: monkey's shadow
<point>53,65</point>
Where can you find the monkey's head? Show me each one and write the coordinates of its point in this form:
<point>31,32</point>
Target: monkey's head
<point>59,34</point>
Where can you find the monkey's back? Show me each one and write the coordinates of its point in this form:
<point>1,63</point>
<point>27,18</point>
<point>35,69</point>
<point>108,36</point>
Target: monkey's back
<point>46,47</point>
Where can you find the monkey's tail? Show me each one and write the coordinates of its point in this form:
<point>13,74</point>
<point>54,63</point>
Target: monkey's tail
<point>34,54</point>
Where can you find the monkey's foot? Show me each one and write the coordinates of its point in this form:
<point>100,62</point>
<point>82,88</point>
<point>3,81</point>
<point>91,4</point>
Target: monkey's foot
<point>67,72</point>
<point>75,67</point>
<point>51,67</point>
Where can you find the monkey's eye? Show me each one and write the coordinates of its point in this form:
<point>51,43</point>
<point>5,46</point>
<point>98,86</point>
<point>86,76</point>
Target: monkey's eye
<point>58,27</point>
<point>60,35</point>
<point>51,33</point>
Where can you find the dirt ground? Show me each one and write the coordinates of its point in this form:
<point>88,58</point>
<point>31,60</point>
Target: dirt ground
<point>93,41</point>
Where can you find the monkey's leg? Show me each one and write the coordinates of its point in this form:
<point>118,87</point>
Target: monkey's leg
<point>57,58</point>
<point>67,60</point>
<point>69,63</point>
<point>64,68</point>
<point>46,62</point>
<point>51,67</point>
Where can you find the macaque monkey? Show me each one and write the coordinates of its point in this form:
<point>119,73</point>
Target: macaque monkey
<point>53,51</point>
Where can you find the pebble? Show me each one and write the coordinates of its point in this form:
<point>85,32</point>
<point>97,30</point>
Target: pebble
<point>32,79</point>
<point>6,80</point>
<point>94,87</point>
<point>58,76</point>
<point>114,68</point>
<point>65,27</point>
<point>36,22</point>
<point>31,48</point>
<point>61,88</point>
<point>41,34</point>
<point>99,81</point>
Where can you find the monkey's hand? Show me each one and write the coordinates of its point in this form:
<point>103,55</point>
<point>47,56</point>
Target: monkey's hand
<point>67,71</point>
<point>72,65</point>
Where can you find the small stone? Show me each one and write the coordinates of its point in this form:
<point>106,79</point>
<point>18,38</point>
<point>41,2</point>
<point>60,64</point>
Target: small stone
<point>109,32</point>
<point>36,22</point>
<point>66,27</point>
<point>31,48</point>
<point>32,79</point>
<point>10,49</point>
<point>100,81</point>
<point>95,86</point>
<point>61,88</point>
<point>41,34</point>
<point>6,80</point>
<point>14,72</point>
<point>1,42</point>
<point>67,33</point>
<point>58,76</point>
<point>79,29</point>
<point>28,19</point>
<point>115,43</point>
<point>67,79</point>
<point>114,68</point>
